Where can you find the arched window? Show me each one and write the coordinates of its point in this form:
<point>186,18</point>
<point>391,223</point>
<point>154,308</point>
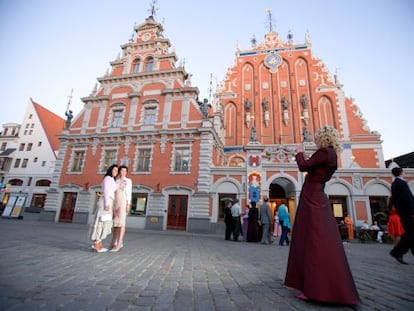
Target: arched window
<point>149,64</point>
<point>16,182</point>
<point>43,183</point>
<point>135,65</point>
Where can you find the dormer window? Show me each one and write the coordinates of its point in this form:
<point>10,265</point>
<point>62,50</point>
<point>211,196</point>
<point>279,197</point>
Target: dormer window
<point>149,64</point>
<point>136,65</point>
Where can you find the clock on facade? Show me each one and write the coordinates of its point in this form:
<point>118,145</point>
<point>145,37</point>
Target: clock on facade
<point>272,61</point>
<point>146,36</point>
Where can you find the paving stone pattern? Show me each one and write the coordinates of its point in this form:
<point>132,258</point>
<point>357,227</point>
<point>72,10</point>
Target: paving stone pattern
<point>50,266</point>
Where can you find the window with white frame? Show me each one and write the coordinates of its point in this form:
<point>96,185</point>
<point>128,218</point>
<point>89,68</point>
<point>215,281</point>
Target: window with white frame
<point>143,159</point>
<point>150,115</point>
<point>149,64</point>
<point>181,159</point>
<point>117,117</point>
<point>135,65</point>
<point>77,160</point>
<point>109,158</point>
<point>24,163</point>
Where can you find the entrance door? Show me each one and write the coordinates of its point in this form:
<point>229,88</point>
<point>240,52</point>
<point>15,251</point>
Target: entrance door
<point>68,206</point>
<point>177,212</point>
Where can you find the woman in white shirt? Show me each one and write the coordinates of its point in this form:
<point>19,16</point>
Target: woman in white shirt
<point>123,196</point>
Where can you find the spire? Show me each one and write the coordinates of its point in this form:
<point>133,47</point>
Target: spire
<point>270,20</point>
<point>153,9</point>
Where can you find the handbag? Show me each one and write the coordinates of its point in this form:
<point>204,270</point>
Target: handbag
<point>106,217</point>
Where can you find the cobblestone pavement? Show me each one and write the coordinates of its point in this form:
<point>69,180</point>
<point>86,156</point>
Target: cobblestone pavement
<point>50,266</point>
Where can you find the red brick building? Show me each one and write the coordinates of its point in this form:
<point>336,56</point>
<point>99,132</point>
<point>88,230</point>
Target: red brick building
<point>186,158</point>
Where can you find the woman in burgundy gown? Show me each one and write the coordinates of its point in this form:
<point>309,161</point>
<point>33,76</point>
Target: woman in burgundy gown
<point>317,264</point>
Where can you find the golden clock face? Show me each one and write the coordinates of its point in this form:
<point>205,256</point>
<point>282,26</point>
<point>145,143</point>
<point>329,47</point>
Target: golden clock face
<point>146,36</point>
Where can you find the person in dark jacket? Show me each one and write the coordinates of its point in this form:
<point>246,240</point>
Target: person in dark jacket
<point>403,200</point>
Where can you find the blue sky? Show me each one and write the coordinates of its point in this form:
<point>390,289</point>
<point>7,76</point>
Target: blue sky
<point>49,47</point>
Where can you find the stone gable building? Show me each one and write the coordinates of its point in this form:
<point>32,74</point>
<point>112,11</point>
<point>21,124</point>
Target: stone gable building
<point>188,157</point>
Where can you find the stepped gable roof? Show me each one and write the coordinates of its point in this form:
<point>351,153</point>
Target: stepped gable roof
<point>51,123</point>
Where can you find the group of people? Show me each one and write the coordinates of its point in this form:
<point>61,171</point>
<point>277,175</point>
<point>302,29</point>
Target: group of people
<point>317,265</point>
<point>255,224</point>
<point>112,208</point>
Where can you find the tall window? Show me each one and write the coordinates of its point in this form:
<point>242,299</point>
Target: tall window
<point>21,148</point>
<point>29,147</point>
<point>77,163</point>
<point>150,115</point>
<point>135,65</point>
<point>3,146</point>
<point>182,159</point>
<point>24,163</point>
<point>144,157</point>
<point>149,66</point>
<point>17,163</point>
<point>109,159</point>
<point>118,117</point>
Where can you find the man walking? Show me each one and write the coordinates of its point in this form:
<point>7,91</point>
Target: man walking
<point>266,220</point>
<point>403,200</point>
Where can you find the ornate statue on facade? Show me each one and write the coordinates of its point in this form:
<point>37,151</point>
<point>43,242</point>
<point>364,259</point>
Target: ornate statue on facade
<point>285,103</point>
<point>253,134</point>
<point>247,105</point>
<point>265,104</point>
<point>304,101</point>
<point>204,106</point>
<point>306,135</point>
<point>69,117</point>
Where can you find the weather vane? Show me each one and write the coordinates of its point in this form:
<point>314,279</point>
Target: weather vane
<point>153,9</point>
<point>269,13</point>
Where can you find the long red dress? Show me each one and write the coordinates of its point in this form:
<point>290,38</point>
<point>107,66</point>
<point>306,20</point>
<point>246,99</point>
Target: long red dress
<point>317,264</point>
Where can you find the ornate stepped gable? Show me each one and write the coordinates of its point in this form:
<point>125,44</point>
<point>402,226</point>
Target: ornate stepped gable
<point>285,93</point>
<point>144,76</point>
